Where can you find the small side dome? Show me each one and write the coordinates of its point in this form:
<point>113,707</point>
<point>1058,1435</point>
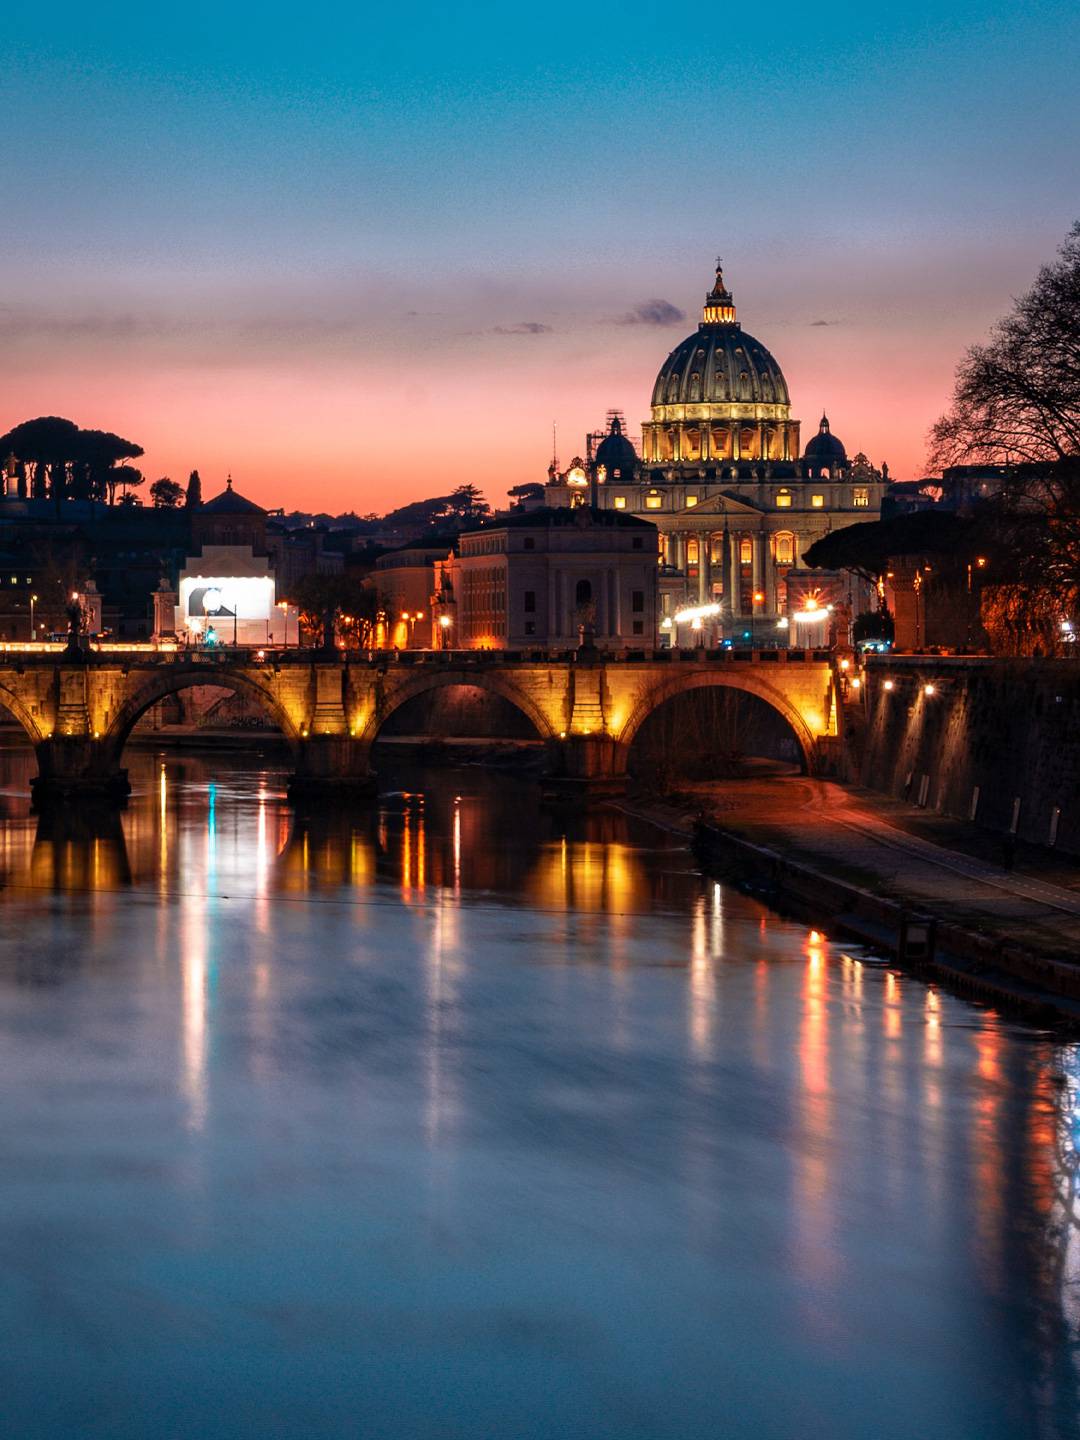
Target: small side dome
<point>824,453</point>
<point>615,455</point>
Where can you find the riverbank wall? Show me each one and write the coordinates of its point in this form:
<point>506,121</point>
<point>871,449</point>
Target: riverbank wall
<point>993,741</point>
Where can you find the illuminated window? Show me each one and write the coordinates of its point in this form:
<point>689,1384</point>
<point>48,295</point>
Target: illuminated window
<point>653,500</point>
<point>860,497</point>
<point>785,548</point>
<point>818,502</point>
<point>783,499</point>
<point>746,552</point>
<point>619,502</point>
<point>691,552</point>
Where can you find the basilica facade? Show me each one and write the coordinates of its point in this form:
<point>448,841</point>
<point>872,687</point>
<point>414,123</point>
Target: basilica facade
<point>721,473</point>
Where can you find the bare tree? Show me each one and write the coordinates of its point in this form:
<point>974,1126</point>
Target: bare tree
<point>1016,404</point>
<point>1017,398</point>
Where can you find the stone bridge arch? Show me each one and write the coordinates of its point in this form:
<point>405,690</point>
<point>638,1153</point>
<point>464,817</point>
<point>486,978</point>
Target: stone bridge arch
<point>657,695</point>
<point>19,712</point>
<point>496,683</point>
<point>161,683</point>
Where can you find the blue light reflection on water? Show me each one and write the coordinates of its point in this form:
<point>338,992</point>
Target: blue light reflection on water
<point>446,1121</point>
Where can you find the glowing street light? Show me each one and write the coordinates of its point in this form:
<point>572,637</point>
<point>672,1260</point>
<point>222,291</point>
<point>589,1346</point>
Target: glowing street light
<point>695,612</point>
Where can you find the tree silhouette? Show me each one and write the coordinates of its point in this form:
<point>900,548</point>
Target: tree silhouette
<point>467,503</point>
<point>166,494</point>
<point>531,490</point>
<point>1018,398</point>
<point>128,478</point>
<point>62,461</point>
<point>193,497</point>
<point>46,445</point>
<point>100,452</point>
<point>1016,404</point>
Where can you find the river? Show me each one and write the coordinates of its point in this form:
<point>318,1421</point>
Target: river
<point>453,1119</point>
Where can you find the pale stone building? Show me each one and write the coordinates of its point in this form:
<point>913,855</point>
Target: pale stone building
<point>548,578</point>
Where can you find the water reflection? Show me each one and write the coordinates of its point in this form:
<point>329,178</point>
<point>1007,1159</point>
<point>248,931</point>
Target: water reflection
<point>527,1083</point>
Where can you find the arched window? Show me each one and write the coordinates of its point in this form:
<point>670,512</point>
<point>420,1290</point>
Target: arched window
<point>691,552</point>
<point>785,548</point>
<point>746,551</point>
<point>783,499</point>
<point>583,592</point>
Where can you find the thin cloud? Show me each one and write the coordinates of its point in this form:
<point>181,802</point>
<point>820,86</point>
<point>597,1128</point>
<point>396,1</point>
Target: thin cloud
<point>814,324</point>
<point>652,312</point>
<point>523,327</point>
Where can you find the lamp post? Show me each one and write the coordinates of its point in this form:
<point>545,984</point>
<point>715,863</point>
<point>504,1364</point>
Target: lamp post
<point>33,602</point>
<point>916,586</point>
<point>283,606</point>
<point>979,563</point>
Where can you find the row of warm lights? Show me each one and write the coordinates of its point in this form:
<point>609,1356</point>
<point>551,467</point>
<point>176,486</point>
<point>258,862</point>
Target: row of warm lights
<point>856,683</point>
<point>927,689</point>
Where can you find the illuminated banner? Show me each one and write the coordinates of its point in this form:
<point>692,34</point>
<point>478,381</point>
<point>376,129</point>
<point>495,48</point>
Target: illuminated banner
<point>245,597</point>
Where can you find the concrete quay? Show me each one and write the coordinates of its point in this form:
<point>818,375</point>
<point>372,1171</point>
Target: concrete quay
<point>861,865</point>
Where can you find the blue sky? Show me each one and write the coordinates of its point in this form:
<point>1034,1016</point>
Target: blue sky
<point>265,237</point>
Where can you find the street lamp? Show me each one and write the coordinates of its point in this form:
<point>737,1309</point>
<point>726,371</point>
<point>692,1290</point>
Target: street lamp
<point>283,606</point>
<point>33,602</point>
<point>980,564</point>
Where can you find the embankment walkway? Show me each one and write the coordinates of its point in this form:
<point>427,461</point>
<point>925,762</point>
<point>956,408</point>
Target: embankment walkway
<point>898,852</point>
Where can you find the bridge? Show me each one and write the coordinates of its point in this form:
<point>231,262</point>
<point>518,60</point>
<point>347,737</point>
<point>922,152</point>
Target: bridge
<point>79,706</point>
